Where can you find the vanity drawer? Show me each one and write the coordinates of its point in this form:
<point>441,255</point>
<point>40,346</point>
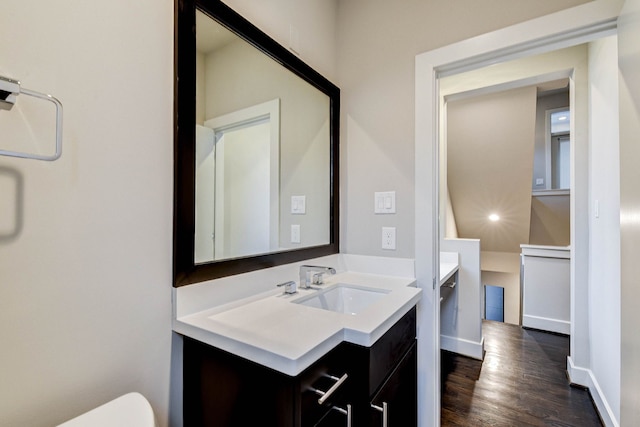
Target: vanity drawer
<point>330,371</point>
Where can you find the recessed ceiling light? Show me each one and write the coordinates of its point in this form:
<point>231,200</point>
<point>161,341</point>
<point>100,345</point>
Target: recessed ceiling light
<point>494,217</point>
<point>562,118</point>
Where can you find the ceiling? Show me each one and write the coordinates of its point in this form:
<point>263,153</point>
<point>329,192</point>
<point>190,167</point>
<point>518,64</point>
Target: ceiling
<point>490,144</point>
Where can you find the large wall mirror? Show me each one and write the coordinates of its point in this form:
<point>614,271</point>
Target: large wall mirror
<point>256,149</point>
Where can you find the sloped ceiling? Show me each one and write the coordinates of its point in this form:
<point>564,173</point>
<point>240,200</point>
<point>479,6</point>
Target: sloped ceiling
<point>490,144</point>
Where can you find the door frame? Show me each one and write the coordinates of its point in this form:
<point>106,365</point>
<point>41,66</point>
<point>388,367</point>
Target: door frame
<point>577,25</point>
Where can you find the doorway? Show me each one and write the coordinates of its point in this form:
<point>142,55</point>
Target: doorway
<point>237,183</point>
<point>510,43</point>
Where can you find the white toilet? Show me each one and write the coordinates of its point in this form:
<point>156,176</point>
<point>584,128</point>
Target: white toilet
<point>130,410</point>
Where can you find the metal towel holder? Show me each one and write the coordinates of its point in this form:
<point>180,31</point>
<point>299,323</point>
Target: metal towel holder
<point>9,90</point>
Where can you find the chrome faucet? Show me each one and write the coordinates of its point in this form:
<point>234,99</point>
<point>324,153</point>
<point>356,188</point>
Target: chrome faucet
<point>313,274</point>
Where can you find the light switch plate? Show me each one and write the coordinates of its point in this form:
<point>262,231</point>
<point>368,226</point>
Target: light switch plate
<point>385,202</point>
<point>298,205</point>
<point>389,238</point>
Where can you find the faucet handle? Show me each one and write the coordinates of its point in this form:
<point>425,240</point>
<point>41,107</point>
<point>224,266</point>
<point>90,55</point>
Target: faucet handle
<point>289,287</point>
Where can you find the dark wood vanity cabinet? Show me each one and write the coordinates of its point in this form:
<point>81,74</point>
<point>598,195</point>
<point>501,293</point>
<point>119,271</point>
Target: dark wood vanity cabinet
<point>385,377</point>
<point>221,389</point>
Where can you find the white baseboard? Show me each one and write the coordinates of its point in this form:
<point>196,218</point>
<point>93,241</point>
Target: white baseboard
<point>585,378</point>
<point>468,348</point>
<point>546,324</point>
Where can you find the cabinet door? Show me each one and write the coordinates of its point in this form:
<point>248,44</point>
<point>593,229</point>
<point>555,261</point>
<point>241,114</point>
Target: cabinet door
<point>397,399</point>
<point>222,390</point>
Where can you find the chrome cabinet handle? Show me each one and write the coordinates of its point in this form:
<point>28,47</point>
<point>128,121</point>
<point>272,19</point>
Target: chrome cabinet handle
<point>324,395</point>
<point>385,412</point>
<point>346,412</point>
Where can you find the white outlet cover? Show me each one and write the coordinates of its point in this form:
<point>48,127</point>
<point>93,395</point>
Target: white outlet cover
<point>389,238</point>
<point>295,233</point>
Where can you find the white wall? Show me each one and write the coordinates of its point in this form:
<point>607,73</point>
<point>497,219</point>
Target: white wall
<point>629,63</point>
<point>86,280</point>
<point>604,245</point>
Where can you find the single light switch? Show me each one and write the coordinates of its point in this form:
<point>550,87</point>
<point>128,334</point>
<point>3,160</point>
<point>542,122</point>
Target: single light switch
<point>298,205</point>
<point>385,202</point>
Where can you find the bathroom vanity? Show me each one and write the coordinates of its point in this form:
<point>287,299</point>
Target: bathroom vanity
<point>352,385</point>
<point>278,359</point>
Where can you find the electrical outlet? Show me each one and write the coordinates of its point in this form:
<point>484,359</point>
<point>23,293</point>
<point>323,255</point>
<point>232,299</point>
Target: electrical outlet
<point>389,238</point>
<point>295,233</point>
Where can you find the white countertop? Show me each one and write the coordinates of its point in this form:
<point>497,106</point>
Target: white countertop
<point>269,329</point>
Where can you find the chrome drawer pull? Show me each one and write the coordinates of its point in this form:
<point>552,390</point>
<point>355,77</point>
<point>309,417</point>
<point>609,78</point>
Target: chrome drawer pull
<point>327,394</point>
<point>385,412</point>
<point>346,412</point>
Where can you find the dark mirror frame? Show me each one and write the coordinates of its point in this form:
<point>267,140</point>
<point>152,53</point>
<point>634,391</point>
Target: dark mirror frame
<point>185,271</point>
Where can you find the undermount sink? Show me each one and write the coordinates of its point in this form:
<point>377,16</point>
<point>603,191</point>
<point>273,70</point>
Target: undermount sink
<point>342,298</point>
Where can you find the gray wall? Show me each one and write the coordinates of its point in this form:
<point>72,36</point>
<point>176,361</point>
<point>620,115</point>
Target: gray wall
<point>86,241</point>
<point>378,44</point>
<point>86,277</point>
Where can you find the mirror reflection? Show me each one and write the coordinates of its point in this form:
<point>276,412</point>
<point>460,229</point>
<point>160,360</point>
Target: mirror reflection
<point>262,152</point>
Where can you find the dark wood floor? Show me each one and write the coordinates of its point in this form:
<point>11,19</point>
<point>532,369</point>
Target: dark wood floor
<point>522,382</point>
